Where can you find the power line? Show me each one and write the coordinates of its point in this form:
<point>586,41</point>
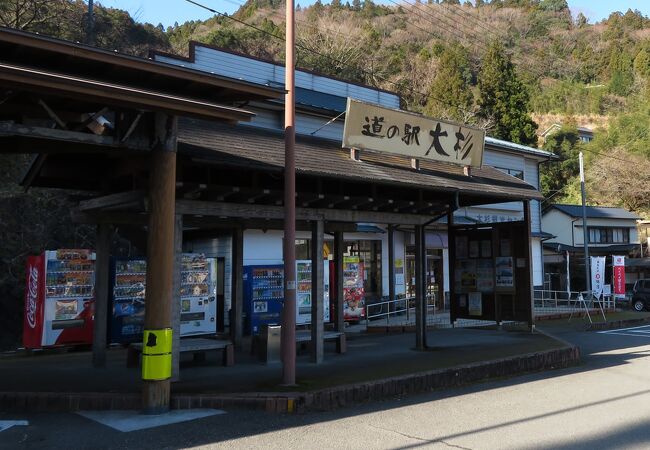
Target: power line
<point>340,63</point>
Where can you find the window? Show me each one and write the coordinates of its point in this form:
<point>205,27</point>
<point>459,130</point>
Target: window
<point>514,172</point>
<point>605,235</point>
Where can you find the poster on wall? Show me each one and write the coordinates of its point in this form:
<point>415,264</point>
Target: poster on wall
<point>504,247</point>
<point>474,249</point>
<point>461,246</point>
<point>475,304</point>
<point>504,272</point>
<point>466,274</point>
<point>484,275</point>
<point>486,249</point>
<point>399,272</point>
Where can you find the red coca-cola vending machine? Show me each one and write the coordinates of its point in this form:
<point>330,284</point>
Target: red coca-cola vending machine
<point>59,298</point>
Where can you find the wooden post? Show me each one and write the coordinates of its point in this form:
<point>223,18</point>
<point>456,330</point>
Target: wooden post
<point>237,288</point>
<point>528,285</point>
<point>391,267</point>
<point>420,291</point>
<point>451,246</point>
<point>176,297</point>
<point>103,250</point>
<point>160,249</point>
<point>317,292</point>
<point>339,319</point>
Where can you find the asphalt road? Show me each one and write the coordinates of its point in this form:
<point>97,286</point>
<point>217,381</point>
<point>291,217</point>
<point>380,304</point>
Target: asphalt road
<point>603,404</point>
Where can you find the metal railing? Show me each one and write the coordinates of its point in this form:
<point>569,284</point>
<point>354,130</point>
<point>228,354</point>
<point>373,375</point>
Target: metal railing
<point>547,301</point>
<point>400,307</point>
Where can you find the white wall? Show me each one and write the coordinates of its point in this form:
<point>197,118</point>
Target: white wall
<point>261,72</point>
<point>564,227</point>
<point>538,261</point>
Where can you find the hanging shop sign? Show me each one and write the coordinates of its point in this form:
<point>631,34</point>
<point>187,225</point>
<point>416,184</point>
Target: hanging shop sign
<point>618,280</point>
<point>372,127</point>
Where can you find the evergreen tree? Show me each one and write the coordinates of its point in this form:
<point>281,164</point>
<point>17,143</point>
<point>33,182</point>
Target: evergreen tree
<point>555,175</point>
<point>504,99</point>
<point>450,94</point>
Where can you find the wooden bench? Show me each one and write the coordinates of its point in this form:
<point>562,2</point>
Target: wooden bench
<point>196,346</point>
<point>304,336</point>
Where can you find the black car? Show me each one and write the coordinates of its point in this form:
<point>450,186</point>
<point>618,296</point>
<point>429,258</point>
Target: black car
<point>641,295</point>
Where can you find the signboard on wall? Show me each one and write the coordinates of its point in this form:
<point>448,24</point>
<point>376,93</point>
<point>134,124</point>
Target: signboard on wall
<point>372,127</point>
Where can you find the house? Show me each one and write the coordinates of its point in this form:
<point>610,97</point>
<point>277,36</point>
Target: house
<point>320,107</point>
<point>611,231</point>
<point>585,134</point>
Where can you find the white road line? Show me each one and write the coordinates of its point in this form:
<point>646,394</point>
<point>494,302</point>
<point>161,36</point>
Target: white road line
<point>625,329</point>
<point>6,424</point>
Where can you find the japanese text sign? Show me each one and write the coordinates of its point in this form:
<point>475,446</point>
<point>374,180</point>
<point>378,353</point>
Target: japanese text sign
<point>372,127</point>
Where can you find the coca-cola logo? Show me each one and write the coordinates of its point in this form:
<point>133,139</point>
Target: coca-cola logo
<point>32,296</point>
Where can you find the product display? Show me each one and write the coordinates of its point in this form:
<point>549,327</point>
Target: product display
<point>59,298</point>
<point>354,308</point>
<point>197,289</point>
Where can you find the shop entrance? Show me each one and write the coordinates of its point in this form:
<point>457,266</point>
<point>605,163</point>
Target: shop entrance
<point>434,274</point>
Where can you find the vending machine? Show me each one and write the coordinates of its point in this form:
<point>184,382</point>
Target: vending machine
<point>198,295</point>
<point>128,280</point>
<point>198,305</point>
<point>303,293</point>
<point>59,298</point>
<point>263,296</point>
<point>354,303</point>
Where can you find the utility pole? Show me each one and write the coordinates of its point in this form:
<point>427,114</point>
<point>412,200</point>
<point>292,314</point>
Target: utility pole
<point>585,232</point>
<point>289,252</point>
<point>90,24</point>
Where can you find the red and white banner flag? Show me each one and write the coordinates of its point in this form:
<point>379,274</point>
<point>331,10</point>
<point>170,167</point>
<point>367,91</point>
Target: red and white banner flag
<point>618,277</point>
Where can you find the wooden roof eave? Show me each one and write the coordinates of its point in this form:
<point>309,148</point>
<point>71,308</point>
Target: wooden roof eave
<point>117,95</point>
<point>52,46</point>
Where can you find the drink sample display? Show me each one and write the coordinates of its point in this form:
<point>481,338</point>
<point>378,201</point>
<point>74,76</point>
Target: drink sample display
<point>59,298</point>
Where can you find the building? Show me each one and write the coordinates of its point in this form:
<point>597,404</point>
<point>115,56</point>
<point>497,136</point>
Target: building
<point>611,231</point>
<point>320,105</point>
<point>584,134</point>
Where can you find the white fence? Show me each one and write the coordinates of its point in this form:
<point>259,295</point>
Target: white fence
<point>557,302</point>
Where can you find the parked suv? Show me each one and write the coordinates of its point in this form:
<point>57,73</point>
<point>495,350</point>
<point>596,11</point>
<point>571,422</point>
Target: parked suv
<point>641,295</point>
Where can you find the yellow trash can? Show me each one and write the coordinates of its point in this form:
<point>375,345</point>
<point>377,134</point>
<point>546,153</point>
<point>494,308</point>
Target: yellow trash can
<point>157,354</point>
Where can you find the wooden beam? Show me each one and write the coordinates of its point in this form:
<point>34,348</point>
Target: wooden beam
<point>237,288</point>
<point>102,267</point>
<point>160,259</point>
<point>114,201</point>
<point>176,298</point>
<point>420,289</point>
<point>238,210</point>
<point>109,217</point>
<point>52,115</point>
<point>12,129</point>
<point>317,292</point>
<point>339,248</point>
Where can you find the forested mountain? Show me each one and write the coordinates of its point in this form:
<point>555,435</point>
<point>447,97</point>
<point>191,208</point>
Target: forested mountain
<point>513,67</point>
<point>495,64</point>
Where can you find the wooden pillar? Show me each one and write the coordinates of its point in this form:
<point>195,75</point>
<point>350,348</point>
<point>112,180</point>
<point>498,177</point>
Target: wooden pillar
<point>103,250</point>
<point>420,291</point>
<point>391,266</point>
<point>317,291</point>
<point>237,288</point>
<point>339,245</point>
<point>176,297</point>
<point>160,249</point>
<point>528,288</point>
<point>451,245</point>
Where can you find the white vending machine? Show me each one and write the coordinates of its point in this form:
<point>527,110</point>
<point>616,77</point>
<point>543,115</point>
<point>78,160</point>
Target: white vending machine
<point>198,295</point>
<point>303,293</point>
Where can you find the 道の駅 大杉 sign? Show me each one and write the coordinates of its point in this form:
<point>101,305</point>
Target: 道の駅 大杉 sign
<point>372,127</point>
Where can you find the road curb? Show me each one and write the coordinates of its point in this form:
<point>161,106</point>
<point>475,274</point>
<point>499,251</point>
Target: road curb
<point>618,324</point>
<point>319,400</point>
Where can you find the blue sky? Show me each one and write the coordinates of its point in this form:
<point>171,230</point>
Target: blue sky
<point>169,11</point>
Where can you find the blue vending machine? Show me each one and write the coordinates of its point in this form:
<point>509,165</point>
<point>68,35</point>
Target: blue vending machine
<point>128,278</point>
<point>263,296</point>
